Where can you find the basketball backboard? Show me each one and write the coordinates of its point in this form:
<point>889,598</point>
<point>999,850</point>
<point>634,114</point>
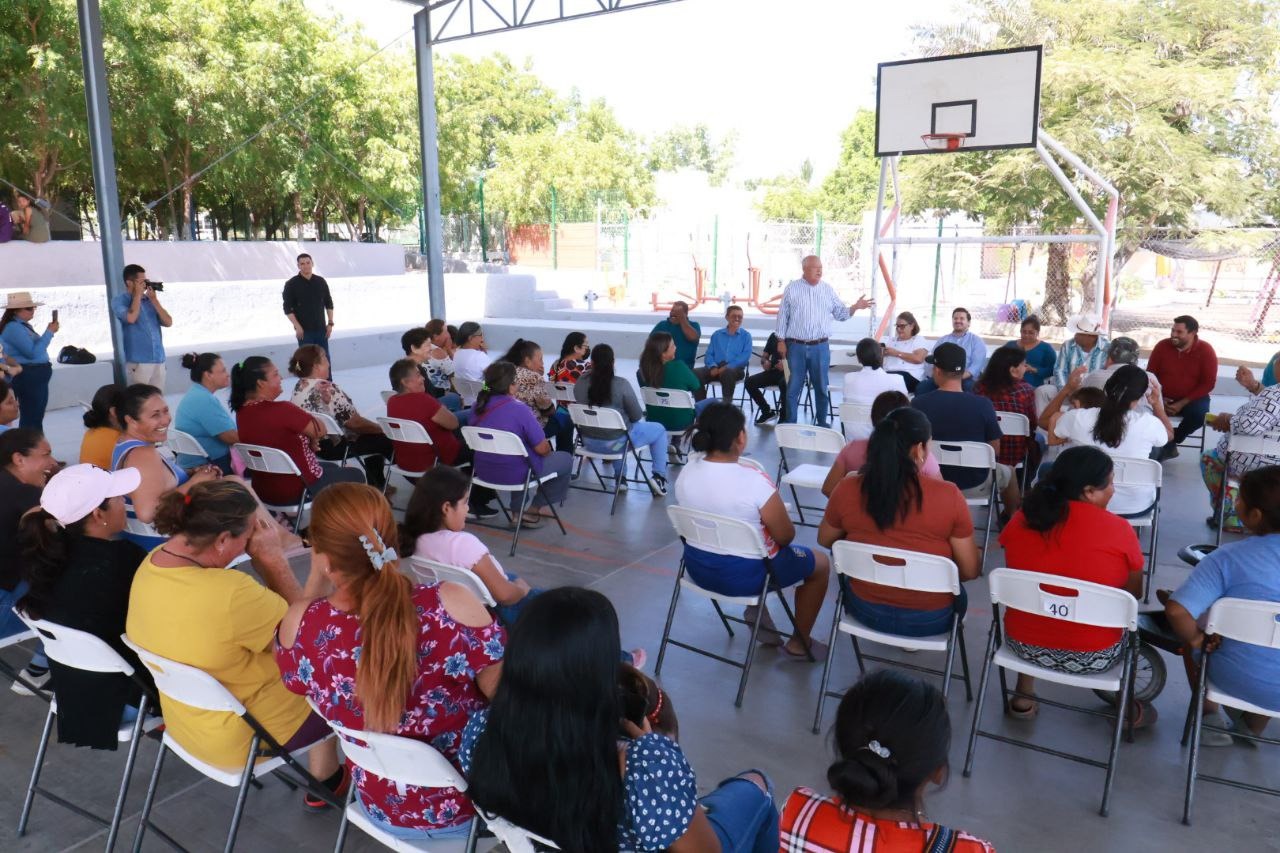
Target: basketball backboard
<point>993,98</point>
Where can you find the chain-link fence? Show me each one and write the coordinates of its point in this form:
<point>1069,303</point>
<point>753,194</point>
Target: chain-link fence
<point>1227,279</point>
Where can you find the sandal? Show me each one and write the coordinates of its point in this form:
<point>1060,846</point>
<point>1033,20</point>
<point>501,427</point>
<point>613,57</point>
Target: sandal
<point>1146,714</point>
<point>529,520</point>
<point>1027,713</point>
<point>817,649</point>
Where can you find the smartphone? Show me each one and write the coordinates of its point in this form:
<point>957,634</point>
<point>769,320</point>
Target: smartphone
<point>55,315</point>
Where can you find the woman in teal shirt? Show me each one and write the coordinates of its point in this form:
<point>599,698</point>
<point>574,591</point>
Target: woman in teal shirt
<point>203,416</point>
<point>659,368</point>
<point>1040,356</point>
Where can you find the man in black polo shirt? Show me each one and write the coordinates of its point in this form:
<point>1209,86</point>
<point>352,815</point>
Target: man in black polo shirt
<point>309,306</point>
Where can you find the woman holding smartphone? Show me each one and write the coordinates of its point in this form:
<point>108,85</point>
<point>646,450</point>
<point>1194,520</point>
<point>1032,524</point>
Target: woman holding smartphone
<point>31,352</point>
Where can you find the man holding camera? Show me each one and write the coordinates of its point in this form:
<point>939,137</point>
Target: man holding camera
<point>142,317</point>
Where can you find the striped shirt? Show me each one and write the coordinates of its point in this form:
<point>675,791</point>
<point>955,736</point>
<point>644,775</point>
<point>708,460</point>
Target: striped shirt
<point>812,823</point>
<point>1071,357</point>
<point>808,309</point>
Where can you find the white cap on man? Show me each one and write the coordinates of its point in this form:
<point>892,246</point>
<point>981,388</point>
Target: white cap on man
<point>1084,324</point>
<point>77,490</point>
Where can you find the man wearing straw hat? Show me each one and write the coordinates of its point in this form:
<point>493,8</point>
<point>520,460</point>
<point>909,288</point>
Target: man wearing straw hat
<point>31,351</point>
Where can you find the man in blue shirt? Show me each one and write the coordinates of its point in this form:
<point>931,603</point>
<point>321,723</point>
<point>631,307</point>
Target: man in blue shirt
<point>683,331</point>
<point>727,357</point>
<point>142,316</point>
<point>975,351</point>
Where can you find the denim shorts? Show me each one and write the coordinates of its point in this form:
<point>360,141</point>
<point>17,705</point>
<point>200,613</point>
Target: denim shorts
<point>740,577</point>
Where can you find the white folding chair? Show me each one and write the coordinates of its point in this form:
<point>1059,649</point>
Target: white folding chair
<point>403,761</point>
<point>432,571</point>
<point>854,415</point>
<point>671,398</point>
<point>387,395</point>
<point>1016,425</point>
<point>1261,445</point>
<point>333,430</point>
<point>185,443</point>
<point>719,534</point>
<point>81,650</point>
<point>503,443</point>
<point>14,674</point>
<point>901,569</point>
<point>592,417</point>
<point>1147,474</point>
<point>197,688</point>
<point>269,460</point>
<point>560,392</point>
<point>1243,621</point>
<point>408,432</point>
<point>1084,603</point>
<point>467,389</point>
<point>978,455</point>
<point>516,839</point>
<point>810,439</point>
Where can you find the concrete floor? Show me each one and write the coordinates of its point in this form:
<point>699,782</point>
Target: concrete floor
<point>1018,800</point>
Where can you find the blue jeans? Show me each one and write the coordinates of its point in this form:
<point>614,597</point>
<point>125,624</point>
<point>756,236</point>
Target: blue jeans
<point>744,817</point>
<point>450,400</point>
<point>31,387</point>
<point>1192,419</point>
<point>320,339</point>
<point>10,624</point>
<point>901,620</point>
<point>812,361</point>
<point>560,427</point>
<point>643,434</point>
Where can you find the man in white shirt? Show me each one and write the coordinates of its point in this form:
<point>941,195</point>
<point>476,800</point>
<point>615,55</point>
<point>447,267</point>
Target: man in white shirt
<point>863,386</point>
<point>809,305</point>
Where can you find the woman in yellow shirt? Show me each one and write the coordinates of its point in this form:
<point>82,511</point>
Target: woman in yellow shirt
<point>186,606</point>
<point>103,431</point>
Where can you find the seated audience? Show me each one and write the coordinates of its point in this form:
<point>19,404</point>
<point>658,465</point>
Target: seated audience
<point>144,417</point>
<point>186,605</point>
<point>1244,569</point>
<point>1040,356</point>
<point>431,350</point>
<point>471,356</point>
<point>262,420</point>
<point>531,389</point>
<point>1187,369</point>
<point>412,403</point>
<point>434,529</point>
<point>892,735</point>
<point>78,575</point>
<point>496,408</point>
<point>1120,430</point>
<point>203,416</point>
<point>1004,385</point>
<point>9,411</point>
<point>1245,376</point>
<point>854,456</point>
<point>316,392</point>
<point>889,504</point>
<point>974,348</point>
<point>418,659</point>
<point>1122,351</point>
<point>1087,347</point>
<point>957,416</point>
<point>659,368</point>
<point>728,357</point>
<point>1064,529</point>
<point>601,387</point>
<point>718,482</point>
<point>26,463</point>
<point>573,360</point>
<point>770,375</point>
<point>102,430</point>
<point>865,385</point>
<point>1260,415</point>
<point>683,331</point>
<point>548,756</point>
<point>905,352</point>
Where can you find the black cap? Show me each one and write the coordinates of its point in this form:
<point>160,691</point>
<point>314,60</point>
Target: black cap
<point>948,357</point>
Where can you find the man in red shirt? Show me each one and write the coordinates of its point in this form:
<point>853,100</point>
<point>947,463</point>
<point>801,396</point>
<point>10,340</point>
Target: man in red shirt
<point>1187,368</point>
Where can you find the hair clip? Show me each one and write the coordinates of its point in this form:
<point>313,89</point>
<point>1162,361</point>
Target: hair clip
<point>874,746</point>
<point>186,499</point>
<point>657,709</point>
<point>484,386</point>
<point>381,555</point>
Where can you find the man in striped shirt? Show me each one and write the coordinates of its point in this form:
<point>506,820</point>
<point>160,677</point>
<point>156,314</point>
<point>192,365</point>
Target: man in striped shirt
<point>809,305</point>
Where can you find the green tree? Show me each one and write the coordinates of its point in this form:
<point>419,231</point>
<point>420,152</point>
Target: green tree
<point>789,197</point>
<point>1170,101</point>
<point>851,187</point>
<point>684,147</point>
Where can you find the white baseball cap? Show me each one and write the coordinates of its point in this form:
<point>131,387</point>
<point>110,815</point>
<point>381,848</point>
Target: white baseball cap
<point>77,490</point>
<point>1084,324</point>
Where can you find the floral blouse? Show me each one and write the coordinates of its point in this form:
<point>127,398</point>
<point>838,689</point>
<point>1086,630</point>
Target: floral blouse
<point>659,786</point>
<point>569,370</point>
<point>323,397</point>
<point>322,665</point>
<point>530,389</point>
<point>439,372</point>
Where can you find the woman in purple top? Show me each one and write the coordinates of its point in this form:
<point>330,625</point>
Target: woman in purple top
<point>497,409</point>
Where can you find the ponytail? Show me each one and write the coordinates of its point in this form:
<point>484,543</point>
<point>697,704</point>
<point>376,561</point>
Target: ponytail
<point>600,379</point>
<point>1127,384</point>
<point>245,377</point>
<point>45,546</point>
<point>498,377</point>
<point>717,428</point>
<point>890,478</point>
<point>1048,503</point>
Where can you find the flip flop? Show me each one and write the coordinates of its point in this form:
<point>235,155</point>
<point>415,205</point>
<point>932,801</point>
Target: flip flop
<point>1028,713</point>
<point>817,649</point>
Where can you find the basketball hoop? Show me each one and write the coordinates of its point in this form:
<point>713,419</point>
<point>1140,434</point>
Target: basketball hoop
<point>944,141</point>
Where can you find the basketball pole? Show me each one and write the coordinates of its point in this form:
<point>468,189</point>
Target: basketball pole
<point>875,237</point>
<point>1103,241</point>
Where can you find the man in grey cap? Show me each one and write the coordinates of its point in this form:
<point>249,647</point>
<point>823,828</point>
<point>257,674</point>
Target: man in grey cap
<point>1122,351</point>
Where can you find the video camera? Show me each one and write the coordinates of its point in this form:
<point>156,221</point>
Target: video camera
<point>157,286</point>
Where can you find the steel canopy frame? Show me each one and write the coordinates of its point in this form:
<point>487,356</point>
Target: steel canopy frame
<point>1103,231</point>
<point>482,17</point>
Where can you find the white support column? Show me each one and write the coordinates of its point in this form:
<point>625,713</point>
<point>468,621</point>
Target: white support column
<point>1099,273</point>
<point>875,235</point>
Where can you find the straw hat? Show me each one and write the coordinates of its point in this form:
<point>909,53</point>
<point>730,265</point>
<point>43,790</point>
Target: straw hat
<point>1084,324</point>
<point>21,299</point>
